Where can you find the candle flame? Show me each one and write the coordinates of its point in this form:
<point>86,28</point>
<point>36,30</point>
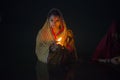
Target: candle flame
<point>59,40</point>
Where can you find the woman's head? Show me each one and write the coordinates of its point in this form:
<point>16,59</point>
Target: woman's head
<point>55,18</point>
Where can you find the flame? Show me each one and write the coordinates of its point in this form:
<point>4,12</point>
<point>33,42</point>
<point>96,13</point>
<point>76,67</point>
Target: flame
<point>59,41</point>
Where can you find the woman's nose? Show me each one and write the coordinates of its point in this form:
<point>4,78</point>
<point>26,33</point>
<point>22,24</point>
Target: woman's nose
<point>54,22</point>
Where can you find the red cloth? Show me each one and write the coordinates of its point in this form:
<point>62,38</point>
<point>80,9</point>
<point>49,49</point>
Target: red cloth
<point>108,47</point>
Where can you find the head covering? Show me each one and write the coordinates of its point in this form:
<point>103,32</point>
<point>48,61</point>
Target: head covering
<point>48,32</point>
<point>109,46</point>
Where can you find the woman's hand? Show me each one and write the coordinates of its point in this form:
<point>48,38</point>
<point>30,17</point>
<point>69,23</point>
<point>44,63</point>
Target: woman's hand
<point>115,60</point>
<point>53,46</point>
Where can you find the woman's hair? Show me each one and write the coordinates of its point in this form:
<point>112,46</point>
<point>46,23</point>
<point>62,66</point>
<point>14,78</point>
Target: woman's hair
<point>55,12</point>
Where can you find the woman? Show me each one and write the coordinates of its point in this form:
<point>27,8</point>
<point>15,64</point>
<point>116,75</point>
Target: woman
<point>108,50</point>
<point>54,38</point>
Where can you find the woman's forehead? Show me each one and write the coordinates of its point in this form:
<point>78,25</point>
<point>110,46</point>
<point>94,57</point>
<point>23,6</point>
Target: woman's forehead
<point>54,17</point>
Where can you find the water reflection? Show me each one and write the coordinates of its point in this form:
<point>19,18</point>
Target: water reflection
<point>81,71</point>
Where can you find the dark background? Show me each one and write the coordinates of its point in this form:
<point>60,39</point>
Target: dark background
<point>20,20</point>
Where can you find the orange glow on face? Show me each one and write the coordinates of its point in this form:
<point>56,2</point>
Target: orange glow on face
<point>54,21</point>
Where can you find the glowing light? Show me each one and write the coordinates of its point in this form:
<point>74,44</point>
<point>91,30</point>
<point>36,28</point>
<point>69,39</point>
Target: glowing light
<point>59,41</point>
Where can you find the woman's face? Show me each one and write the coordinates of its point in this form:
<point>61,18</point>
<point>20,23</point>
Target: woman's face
<point>54,21</point>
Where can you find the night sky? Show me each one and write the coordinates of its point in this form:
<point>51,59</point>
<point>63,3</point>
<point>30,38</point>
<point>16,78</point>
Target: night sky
<point>20,20</point>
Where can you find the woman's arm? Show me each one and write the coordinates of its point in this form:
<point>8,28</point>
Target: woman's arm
<point>71,45</point>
